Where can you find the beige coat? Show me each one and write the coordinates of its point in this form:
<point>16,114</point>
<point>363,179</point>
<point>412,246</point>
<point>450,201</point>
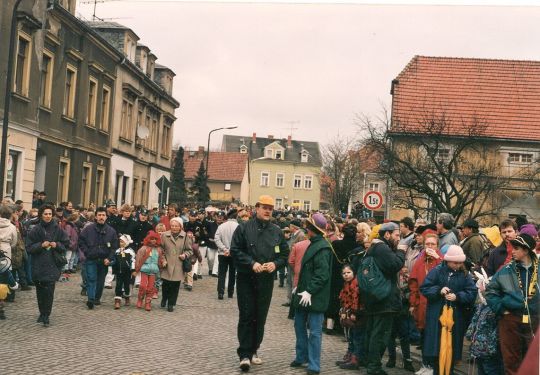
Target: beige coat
<point>172,249</point>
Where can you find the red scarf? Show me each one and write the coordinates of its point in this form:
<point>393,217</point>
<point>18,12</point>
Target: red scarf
<point>508,259</point>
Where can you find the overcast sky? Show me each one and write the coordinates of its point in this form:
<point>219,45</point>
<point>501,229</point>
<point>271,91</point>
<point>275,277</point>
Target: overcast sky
<point>262,66</point>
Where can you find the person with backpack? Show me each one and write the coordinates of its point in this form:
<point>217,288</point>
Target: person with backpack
<point>377,281</point>
<point>473,244</point>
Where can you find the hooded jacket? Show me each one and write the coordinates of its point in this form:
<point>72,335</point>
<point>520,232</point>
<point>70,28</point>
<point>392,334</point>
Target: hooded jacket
<point>8,236</point>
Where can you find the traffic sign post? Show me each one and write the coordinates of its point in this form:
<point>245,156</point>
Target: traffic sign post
<point>163,184</point>
<point>373,200</point>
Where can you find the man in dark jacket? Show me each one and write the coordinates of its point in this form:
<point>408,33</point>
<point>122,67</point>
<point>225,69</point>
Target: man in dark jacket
<point>112,214</point>
<point>98,242</point>
<point>141,229</point>
<point>472,244</point>
<point>502,254</point>
<point>258,248</point>
<point>312,296</point>
<point>380,314</point>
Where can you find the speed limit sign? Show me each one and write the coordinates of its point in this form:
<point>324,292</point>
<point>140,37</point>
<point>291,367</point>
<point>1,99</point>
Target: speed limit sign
<point>373,200</point>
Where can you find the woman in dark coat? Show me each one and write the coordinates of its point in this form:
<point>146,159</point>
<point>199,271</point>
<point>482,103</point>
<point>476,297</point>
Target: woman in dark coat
<point>342,248</point>
<point>448,283</point>
<point>44,240</point>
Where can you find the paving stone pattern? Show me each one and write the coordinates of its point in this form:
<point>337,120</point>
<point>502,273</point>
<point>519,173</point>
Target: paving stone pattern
<point>199,337</point>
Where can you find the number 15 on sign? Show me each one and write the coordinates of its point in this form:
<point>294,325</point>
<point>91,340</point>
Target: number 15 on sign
<point>373,200</point>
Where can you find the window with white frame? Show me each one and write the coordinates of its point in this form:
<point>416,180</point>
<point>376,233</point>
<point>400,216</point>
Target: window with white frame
<point>69,91</point>
<point>443,154</point>
<point>304,157</point>
<point>516,157</point>
<point>46,79</point>
<point>22,64</point>
<point>105,108</point>
<point>296,203</point>
<point>63,180</point>
<point>227,187</point>
<point>374,186</point>
<point>269,153</point>
<point>279,203</point>
<point>86,184</point>
<point>308,182</point>
<point>126,119</point>
<point>265,178</point>
<point>243,149</point>
<point>280,180</point>
<point>92,102</point>
<point>279,154</point>
<point>307,205</point>
<point>297,181</point>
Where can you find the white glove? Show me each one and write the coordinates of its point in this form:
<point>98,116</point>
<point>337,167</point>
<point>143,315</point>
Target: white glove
<point>306,299</point>
<point>294,290</point>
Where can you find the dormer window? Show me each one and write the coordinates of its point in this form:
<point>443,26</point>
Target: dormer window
<point>269,153</point>
<point>243,149</point>
<point>304,156</point>
<point>279,154</point>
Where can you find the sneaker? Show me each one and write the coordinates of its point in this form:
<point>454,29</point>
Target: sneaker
<point>245,364</point>
<point>296,364</point>
<point>90,305</point>
<point>256,360</point>
<point>423,370</point>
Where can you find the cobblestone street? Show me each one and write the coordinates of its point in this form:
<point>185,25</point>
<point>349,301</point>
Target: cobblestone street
<point>199,337</point>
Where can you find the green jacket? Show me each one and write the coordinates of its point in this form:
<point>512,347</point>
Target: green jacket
<point>315,275</point>
<point>503,292</point>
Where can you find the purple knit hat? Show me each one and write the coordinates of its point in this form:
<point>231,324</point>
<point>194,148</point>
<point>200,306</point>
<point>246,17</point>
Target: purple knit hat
<point>528,229</point>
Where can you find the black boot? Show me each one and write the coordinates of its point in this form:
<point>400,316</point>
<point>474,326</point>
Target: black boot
<point>45,320</point>
<point>407,365</point>
<point>40,318</point>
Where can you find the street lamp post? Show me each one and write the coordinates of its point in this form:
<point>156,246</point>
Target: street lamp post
<point>208,146</point>
<point>7,98</point>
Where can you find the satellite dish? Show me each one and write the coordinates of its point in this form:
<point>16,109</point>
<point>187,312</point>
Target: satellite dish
<point>142,132</point>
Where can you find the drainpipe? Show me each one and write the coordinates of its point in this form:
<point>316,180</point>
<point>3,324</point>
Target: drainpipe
<point>7,98</point>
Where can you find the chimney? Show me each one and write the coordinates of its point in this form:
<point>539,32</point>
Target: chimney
<point>270,136</point>
<point>289,141</point>
<point>254,138</point>
<point>200,152</point>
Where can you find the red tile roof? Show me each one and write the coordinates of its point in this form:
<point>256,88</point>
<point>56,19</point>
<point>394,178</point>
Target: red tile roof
<point>222,166</point>
<point>503,94</point>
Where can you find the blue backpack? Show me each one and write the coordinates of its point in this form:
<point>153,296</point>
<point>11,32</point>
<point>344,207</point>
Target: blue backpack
<point>371,281</point>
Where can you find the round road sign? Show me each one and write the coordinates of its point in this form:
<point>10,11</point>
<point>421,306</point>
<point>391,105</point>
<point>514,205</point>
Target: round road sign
<point>373,200</point>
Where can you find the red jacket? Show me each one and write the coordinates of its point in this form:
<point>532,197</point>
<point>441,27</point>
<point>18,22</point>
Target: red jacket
<point>419,272</point>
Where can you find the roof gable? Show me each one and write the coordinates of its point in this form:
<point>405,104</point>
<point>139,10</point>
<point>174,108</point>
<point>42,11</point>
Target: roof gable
<point>232,143</point>
<point>222,166</point>
<point>502,94</point>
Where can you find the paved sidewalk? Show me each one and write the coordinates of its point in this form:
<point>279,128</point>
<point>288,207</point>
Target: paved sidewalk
<point>199,337</point>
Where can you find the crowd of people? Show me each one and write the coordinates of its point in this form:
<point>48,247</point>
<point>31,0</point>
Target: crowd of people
<point>432,285</point>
